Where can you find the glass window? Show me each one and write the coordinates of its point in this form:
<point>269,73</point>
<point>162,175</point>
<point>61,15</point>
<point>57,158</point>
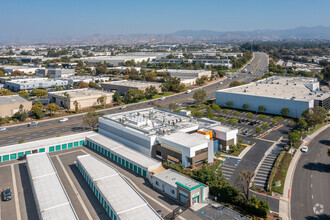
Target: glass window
<point>64,146</point>
<point>58,147</point>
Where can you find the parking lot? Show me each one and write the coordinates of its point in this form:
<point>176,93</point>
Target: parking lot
<point>14,174</point>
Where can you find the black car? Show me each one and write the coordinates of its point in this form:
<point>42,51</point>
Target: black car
<point>23,157</point>
<point>6,194</point>
<point>151,103</point>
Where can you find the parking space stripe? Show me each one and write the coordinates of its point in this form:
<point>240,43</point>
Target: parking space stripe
<point>18,210</point>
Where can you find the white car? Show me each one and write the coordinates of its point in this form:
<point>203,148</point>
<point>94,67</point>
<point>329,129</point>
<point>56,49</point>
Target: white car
<point>162,98</point>
<point>304,149</point>
<point>220,83</point>
<point>64,120</point>
<point>3,129</point>
<point>188,91</point>
<point>123,107</point>
<point>33,123</point>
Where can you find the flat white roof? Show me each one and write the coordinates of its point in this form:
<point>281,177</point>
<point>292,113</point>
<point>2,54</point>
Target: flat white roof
<point>133,83</point>
<point>172,177</point>
<point>124,199</point>
<point>9,99</point>
<point>49,193</point>
<point>77,93</point>
<point>126,152</point>
<point>185,139</point>
<point>222,128</point>
<point>43,143</point>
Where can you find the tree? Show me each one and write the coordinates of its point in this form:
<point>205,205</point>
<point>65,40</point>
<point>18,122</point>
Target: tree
<point>37,110</point>
<point>83,85</point>
<point>262,108</point>
<point>67,96</point>
<point>199,96</point>
<point>39,93</point>
<point>116,97</point>
<point>133,95</point>
<point>326,73</point>
<point>102,100</point>
<point>209,115</point>
<point>236,83</point>
<point>262,117</point>
<point>315,116</point>
<point>302,124</point>
<point>295,137</point>
<point>216,108</point>
<point>230,104</point>
<point>93,85</point>
<point>52,108</point>
<point>259,130</point>
<point>236,113</point>
<point>21,115</point>
<point>233,121</point>
<point>150,92</point>
<point>244,182</point>
<point>173,106</point>
<point>249,115</point>
<point>197,114</point>
<point>172,84</point>
<point>285,111</point>
<point>91,119</point>
<point>222,119</point>
<point>246,106</point>
<point>264,125</point>
<point>4,92</point>
<point>24,93</point>
<point>76,106</point>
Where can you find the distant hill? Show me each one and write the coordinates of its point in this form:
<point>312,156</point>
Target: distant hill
<point>191,36</point>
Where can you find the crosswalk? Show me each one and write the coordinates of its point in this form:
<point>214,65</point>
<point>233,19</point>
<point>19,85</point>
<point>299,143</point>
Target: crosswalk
<point>229,167</point>
<point>261,179</point>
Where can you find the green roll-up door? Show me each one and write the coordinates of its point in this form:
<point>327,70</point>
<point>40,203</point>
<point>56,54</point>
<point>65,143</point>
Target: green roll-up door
<point>13,156</point>
<point>5,158</point>
<point>27,152</point>
<point>76,144</point>
<point>19,154</point>
<point>139,170</point>
<point>41,150</point>
<point>82,143</point>
<point>64,146</point>
<point>69,145</point>
<point>145,173</point>
<point>58,147</point>
<point>51,149</point>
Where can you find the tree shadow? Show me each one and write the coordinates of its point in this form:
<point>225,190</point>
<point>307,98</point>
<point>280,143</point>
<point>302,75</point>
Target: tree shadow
<point>318,217</point>
<point>80,128</point>
<point>320,167</point>
<point>325,142</point>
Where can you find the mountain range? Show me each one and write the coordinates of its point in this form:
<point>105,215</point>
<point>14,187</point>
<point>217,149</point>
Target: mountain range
<point>190,36</point>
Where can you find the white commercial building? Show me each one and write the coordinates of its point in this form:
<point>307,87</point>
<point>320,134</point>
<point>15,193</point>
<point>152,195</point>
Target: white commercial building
<point>33,83</point>
<point>51,199</point>
<point>55,72</point>
<point>166,135</point>
<point>115,193</point>
<point>275,93</point>
<point>24,69</point>
<point>116,60</point>
<point>188,77</point>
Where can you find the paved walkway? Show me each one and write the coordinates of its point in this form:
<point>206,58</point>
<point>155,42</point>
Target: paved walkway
<point>285,203</point>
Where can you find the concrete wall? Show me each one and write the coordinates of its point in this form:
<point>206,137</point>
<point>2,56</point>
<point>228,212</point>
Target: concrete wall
<point>272,105</point>
<point>7,110</point>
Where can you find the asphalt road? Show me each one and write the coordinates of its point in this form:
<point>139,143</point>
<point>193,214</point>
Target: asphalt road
<point>51,128</point>
<point>310,196</point>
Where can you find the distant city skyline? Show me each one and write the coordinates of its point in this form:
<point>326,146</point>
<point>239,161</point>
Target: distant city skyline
<point>40,20</point>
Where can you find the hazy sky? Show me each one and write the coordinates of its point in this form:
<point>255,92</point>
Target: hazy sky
<point>49,19</point>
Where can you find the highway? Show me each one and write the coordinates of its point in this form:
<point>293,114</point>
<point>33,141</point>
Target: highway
<point>52,128</point>
<point>310,196</point>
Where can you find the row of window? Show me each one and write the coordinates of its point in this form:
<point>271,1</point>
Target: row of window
<point>97,192</point>
<point>120,160</point>
<point>15,156</point>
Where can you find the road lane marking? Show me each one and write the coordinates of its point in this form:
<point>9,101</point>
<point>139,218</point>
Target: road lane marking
<point>74,189</point>
<point>18,210</point>
<point>312,186</point>
<point>311,175</point>
<point>312,196</point>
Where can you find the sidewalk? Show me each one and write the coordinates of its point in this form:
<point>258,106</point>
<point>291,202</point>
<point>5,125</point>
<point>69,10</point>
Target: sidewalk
<point>285,202</point>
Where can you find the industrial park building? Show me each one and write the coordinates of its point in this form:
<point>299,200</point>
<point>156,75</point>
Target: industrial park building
<point>212,62</point>
<point>116,195</point>
<point>85,97</point>
<point>116,60</point>
<point>275,93</point>
<point>188,77</point>
<point>168,136</point>
<point>123,86</point>
<point>10,104</point>
<point>33,83</point>
<point>51,199</point>
<point>55,72</point>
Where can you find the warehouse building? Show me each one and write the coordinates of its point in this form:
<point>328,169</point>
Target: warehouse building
<point>51,199</point>
<point>188,77</point>
<point>131,159</point>
<point>180,187</point>
<point>117,196</point>
<point>85,97</point>
<point>168,136</point>
<point>212,62</point>
<point>10,104</point>
<point>55,72</point>
<point>33,83</point>
<point>275,93</point>
<point>13,152</point>
<point>123,86</point>
<point>115,60</point>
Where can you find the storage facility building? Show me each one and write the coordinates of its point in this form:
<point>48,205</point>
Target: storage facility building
<point>117,196</point>
<point>51,199</point>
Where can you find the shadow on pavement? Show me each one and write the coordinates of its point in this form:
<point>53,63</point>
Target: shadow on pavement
<point>321,167</point>
<point>318,217</point>
<point>325,142</point>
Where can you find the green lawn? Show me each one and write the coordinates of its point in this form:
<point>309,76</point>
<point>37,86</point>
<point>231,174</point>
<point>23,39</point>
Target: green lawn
<point>237,151</point>
<point>281,173</point>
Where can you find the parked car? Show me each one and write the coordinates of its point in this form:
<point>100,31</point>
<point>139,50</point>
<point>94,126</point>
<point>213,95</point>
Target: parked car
<point>220,83</point>
<point>188,91</point>
<point>23,157</point>
<point>6,194</point>
<point>162,98</point>
<point>33,123</point>
<point>3,129</point>
<point>64,120</point>
<point>123,107</point>
<point>151,103</point>
<point>246,133</point>
<point>304,149</point>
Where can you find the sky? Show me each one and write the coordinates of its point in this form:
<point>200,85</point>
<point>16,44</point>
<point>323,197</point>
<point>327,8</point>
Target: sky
<point>54,19</point>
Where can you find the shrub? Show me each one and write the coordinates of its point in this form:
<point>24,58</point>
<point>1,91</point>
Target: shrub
<point>197,114</point>
<point>222,119</point>
<point>262,117</point>
<point>226,111</point>
<point>209,115</point>
<point>250,115</point>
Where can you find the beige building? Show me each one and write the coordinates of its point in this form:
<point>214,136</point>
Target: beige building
<point>123,86</point>
<point>85,97</point>
<point>9,105</point>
